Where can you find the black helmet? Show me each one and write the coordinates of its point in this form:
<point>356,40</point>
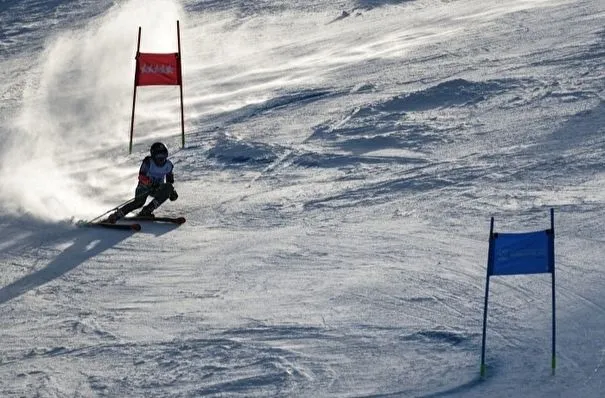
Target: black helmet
<point>158,152</point>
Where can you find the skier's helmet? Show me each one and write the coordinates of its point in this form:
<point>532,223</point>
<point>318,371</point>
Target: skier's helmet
<point>159,153</point>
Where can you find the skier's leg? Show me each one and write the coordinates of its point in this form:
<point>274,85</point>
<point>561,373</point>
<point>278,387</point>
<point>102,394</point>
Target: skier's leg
<point>159,197</point>
<point>140,196</point>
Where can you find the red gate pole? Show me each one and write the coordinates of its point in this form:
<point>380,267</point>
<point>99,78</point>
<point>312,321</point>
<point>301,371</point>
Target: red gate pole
<point>178,38</point>
<point>134,95</point>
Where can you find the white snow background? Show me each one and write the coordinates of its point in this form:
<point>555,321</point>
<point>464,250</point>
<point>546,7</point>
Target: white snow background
<point>342,162</point>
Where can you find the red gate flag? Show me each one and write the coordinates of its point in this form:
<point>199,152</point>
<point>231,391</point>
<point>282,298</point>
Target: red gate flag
<point>158,69</point>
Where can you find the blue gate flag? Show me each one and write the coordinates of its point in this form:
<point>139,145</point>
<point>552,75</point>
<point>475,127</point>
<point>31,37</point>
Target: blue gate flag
<point>521,253</point>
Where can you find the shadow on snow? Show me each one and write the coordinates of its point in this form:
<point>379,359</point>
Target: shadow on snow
<point>84,246</point>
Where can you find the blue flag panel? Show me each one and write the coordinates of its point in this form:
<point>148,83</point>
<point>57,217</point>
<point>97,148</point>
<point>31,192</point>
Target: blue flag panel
<point>521,253</point>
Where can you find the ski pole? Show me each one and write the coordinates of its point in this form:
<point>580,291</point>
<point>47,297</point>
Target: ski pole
<point>110,210</point>
<point>118,206</point>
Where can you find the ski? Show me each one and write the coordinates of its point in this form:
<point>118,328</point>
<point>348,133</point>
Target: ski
<point>130,226</point>
<point>173,220</point>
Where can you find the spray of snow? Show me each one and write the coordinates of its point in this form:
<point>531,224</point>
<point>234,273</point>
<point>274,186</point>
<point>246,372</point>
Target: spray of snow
<point>46,168</point>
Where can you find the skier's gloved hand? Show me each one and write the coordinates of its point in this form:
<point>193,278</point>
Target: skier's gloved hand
<point>173,196</point>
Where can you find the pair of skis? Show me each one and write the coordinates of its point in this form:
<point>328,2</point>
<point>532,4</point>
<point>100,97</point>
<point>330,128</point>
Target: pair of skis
<point>132,223</point>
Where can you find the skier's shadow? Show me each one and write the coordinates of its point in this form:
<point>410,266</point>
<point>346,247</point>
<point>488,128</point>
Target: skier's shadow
<point>158,229</point>
<point>85,245</point>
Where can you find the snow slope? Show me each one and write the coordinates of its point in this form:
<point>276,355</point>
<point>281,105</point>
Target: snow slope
<point>342,163</point>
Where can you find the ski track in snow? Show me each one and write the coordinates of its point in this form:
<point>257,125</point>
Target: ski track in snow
<point>342,162</point>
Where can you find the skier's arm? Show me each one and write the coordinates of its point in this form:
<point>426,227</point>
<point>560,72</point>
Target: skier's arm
<point>170,175</point>
<point>144,179</point>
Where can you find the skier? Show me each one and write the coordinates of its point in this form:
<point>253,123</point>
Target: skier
<point>155,180</point>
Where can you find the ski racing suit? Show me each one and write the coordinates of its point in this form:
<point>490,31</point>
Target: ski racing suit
<point>155,181</point>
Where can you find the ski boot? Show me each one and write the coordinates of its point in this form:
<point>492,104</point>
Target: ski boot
<point>113,217</point>
<point>147,211</point>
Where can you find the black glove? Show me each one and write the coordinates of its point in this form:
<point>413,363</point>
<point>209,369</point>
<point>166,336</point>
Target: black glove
<point>170,178</point>
<point>173,196</point>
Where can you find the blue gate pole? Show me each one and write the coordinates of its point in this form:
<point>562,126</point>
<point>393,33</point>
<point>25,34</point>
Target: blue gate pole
<point>489,263</point>
<point>552,259</point>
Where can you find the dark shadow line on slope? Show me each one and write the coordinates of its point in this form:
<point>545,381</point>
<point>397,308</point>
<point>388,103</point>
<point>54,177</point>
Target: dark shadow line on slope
<point>465,387</point>
<point>368,5</point>
<point>69,259</point>
<point>454,390</point>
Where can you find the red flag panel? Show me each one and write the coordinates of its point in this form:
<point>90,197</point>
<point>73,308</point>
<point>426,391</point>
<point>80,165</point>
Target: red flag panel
<point>158,70</point>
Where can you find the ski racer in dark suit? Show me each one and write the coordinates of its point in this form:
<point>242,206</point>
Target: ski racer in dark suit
<point>155,180</point>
